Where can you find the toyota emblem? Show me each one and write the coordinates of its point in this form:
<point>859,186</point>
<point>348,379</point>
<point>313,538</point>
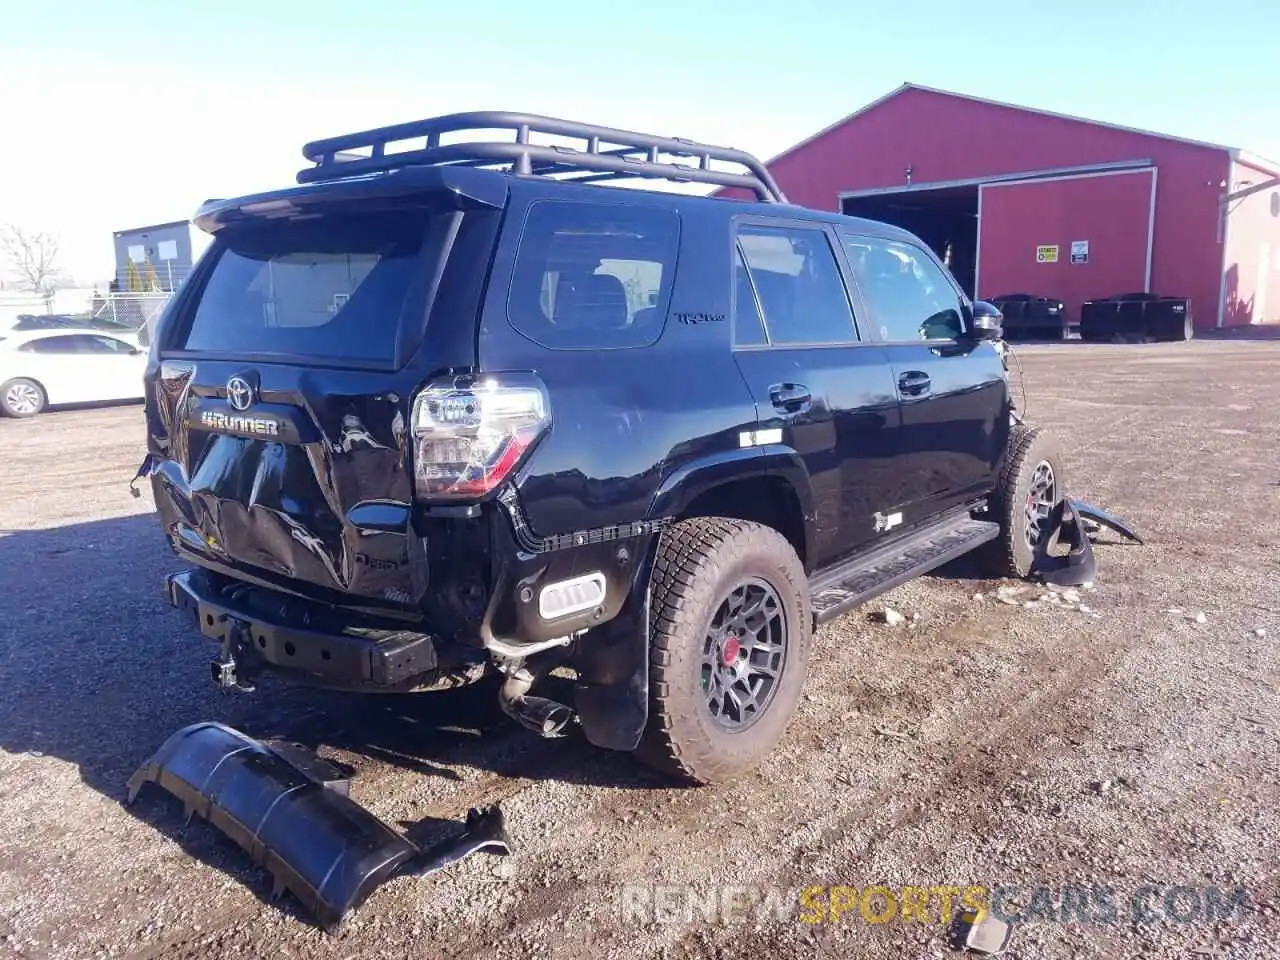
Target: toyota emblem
<point>239,393</point>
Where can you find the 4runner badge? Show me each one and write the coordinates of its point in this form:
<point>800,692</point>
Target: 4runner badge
<point>228,423</point>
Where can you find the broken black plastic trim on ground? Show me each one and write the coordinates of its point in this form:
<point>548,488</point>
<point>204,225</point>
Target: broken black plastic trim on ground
<point>1089,512</point>
<point>289,810</point>
<point>485,830</point>
<point>1075,567</point>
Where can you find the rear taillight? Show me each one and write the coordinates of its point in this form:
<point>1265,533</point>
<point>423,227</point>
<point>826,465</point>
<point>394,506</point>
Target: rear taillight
<point>470,433</point>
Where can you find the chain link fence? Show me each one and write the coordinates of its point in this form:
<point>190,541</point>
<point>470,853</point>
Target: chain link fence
<point>136,311</point>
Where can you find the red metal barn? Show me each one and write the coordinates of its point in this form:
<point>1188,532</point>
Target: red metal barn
<point>1024,201</point>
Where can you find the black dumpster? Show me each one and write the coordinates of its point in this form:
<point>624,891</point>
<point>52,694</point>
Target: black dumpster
<point>1098,320</point>
<point>1028,317</point>
<point>1131,316</point>
<point>1135,318</point>
<point>1169,318</point>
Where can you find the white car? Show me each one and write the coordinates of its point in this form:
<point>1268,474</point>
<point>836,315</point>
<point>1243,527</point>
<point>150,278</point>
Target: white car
<point>40,368</point>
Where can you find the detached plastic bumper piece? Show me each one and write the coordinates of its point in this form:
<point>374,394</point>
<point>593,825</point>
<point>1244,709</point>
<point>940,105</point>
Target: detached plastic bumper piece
<point>290,811</point>
<point>1091,514</point>
<point>1076,565</point>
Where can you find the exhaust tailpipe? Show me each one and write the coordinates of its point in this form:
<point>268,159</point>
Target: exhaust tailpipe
<point>547,718</point>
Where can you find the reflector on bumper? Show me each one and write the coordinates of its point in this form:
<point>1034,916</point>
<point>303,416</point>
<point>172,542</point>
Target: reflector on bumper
<point>291,813</point>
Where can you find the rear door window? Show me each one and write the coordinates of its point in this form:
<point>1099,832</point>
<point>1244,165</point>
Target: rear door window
<point>797,285</point>
<point>335,288</point>
<point>593,275</point>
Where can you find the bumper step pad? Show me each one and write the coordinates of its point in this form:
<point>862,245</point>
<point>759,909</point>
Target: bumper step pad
<point>290,811</point>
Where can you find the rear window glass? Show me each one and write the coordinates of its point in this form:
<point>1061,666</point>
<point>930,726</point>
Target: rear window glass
<point>332,288</point>
<point>593,275</point>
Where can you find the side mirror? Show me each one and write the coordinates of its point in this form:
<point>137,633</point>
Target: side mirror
<point>988,321</point>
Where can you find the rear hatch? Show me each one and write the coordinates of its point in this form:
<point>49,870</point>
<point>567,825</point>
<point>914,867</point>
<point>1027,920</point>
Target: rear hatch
<point>280,392</point>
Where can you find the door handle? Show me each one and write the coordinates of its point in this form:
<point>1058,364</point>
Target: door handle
<point>790,397</point>
<point>914,383</point>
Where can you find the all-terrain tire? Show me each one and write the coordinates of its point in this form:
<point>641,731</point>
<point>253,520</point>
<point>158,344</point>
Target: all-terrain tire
<point>29,389</point>
<point>699,563</point>
<point>1011,555</point>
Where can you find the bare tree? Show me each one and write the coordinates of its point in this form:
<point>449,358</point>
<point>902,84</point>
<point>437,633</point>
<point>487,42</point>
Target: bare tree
<point>33,257</point>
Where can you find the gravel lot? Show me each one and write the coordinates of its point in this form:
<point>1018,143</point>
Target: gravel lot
<point>1124,745</point>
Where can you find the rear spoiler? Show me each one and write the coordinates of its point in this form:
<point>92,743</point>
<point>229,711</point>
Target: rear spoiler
<point>461,186</point>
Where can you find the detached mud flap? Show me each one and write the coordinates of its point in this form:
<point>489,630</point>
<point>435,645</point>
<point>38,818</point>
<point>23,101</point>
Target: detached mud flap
<point>290,811</point>
<point>1071,522</point>
<point>1076,565</point>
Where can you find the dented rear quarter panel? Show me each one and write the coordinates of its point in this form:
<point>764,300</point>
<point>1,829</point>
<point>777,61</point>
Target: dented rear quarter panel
<point>624,420</point>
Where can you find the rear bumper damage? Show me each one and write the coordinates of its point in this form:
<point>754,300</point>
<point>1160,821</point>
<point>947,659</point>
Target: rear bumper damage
<point>292,813</point>
<point>258,630</point>
<point>261,630</point>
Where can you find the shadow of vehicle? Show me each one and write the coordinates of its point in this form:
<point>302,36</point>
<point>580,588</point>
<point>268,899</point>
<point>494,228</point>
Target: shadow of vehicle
<point>99,670</point>
<point>56,408</point>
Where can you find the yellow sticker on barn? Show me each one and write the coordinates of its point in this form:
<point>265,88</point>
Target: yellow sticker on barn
<point>1047,254</point>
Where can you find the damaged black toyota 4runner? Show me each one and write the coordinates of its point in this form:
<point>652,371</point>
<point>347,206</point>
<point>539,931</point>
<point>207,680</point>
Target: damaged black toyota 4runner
<point>446,408</point>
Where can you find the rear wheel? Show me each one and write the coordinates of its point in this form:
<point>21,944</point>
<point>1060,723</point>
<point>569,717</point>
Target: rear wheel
<point>729,647</point>
<point>21,398</point>
<point>1031,486</point>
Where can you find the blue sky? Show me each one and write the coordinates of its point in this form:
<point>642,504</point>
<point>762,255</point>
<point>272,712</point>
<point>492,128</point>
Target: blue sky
<point>120,114</point>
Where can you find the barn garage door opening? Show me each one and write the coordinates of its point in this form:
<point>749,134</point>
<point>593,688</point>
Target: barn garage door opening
<point>944,218</point>
<point>1071,237</point>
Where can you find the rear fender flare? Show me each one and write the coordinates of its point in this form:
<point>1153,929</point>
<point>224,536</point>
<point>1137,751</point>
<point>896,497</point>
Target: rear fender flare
<point>611,695</point>
<point>694,478</point>
<point>782,461</point>
<point>697,477</point>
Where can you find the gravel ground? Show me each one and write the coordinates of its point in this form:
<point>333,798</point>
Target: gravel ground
<point>1121,745</point>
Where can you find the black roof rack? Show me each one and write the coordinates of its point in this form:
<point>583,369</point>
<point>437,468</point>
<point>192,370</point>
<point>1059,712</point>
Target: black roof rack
<point>604,153</point>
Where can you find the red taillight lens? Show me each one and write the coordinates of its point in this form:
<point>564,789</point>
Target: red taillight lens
<point>469,434</point>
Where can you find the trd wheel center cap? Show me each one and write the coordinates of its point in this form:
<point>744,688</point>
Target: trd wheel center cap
<point>729,652</point>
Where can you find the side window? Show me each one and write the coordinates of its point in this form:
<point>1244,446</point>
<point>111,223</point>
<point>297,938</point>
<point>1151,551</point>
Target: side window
<point>910,296</point>
<point>748,327</point>
<point>108,345</point>
<point>60,345</point>
<point>83,343</point>
<point>798,285</point>
<point>593,275</point>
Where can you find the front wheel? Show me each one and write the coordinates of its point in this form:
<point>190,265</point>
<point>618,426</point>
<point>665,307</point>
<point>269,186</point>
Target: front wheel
<point>21,398</point>
<point>1030,488</point>
<point>729,647</point>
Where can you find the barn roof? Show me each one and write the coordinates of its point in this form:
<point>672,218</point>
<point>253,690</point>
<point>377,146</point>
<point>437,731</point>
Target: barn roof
<point>1250,159</point>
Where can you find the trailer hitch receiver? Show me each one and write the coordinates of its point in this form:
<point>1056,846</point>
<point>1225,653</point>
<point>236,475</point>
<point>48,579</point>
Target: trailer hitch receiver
<point>291,812</point>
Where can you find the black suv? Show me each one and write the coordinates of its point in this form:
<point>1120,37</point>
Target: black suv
<point>454,409</point>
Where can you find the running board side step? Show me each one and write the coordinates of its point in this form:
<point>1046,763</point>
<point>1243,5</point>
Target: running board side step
<point>843,587</point>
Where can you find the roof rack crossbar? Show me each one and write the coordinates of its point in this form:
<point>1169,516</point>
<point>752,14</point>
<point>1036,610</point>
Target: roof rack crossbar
<point>628,155</point>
